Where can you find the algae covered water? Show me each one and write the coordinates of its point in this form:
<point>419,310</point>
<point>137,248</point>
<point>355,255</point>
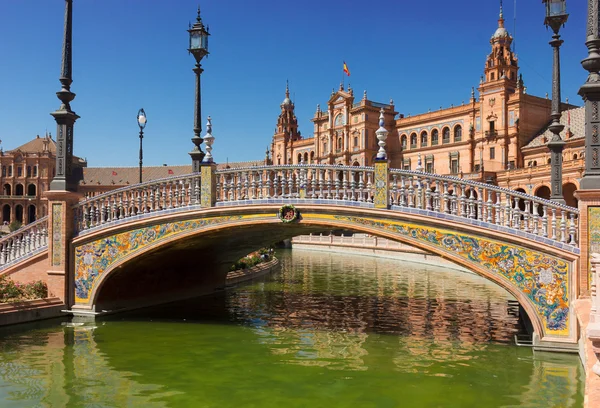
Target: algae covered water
<point>328,330</point>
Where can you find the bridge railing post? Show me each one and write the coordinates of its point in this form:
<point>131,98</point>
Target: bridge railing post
<point>61,228</point>
<point>593,329</point>
<point>382,185</point>
<point>208,184</point>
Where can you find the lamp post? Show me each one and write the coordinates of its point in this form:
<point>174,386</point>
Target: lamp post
<point>590,92</point>
<point>556,16</point>
<point>198,48</point>
<point>141,120</point>
<point>64,179</point>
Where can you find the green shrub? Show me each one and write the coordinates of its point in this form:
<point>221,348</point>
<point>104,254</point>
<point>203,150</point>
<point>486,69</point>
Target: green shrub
<point>15,225</point>
<point>11,291</point>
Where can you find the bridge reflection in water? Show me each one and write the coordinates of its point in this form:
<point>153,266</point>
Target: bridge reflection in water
<point>329,328</point>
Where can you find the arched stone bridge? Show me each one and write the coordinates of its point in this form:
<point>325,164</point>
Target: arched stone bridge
<point>177,236</point>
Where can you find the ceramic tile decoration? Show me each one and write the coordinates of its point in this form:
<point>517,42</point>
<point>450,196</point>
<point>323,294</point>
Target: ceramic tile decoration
<point>57,242</point>
<point>94,258</point>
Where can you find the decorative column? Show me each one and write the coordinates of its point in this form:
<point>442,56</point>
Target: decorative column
<point>64,116</point>
<point>61,195</point>
<point>589,192</point>
<point>382,193</point>
<point>590,92</point>
<point>208,177</point>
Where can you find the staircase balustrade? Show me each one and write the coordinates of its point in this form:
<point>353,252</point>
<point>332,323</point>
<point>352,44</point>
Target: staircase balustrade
<point>24,241</point>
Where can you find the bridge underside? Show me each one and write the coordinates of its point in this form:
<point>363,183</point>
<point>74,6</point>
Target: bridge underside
<point>162,259</point>
<point>188,267</point>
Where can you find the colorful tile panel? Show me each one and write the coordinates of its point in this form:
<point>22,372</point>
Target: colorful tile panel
<point>593,236</point>
<point>381,199</point>
<point>57,241</point>
<point>94,258</point>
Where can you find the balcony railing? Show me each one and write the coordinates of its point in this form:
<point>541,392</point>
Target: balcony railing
<point>491,133</point>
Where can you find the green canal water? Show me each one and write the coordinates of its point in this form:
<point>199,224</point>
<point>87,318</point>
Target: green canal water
<point>328,330</point>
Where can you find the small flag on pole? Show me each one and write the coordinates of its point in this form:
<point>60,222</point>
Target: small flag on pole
<point>346,70</point>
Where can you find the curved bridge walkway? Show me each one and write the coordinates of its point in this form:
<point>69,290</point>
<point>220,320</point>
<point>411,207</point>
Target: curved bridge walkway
<point>524,243</point>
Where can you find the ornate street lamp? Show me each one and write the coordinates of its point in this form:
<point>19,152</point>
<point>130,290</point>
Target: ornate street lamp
<point>64,179</point>
<point>141,120</point>
<point>590,92</point>
<point>199,49</point>
<point>556,17</point>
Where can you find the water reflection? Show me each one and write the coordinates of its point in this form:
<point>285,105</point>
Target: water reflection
<point>322,308</point>
<point>325,331</point>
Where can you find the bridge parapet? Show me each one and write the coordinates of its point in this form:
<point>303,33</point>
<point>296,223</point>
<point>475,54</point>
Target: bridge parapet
<point>339,185</point>
<point>20,244</point>
<point>132,201</point>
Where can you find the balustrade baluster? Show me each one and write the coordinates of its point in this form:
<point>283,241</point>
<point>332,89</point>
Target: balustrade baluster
<point>563,226</point>
<point>370,187</point>
<point>508,210</point>
<point>545,221</point>
<point>488,205</point>
<point>361,186</point>
<point>427,195</point>
<point>553,223</point>
<point>479,203</point>
<point>337,175</point>
<point>572,229</point>
<point>345,184</point>
<point>446,199</point>
<point>526,216</point>
<point>411,192</point>
<point>535,218</point>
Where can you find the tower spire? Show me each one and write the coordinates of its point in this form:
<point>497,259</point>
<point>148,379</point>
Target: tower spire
<point>287,89</point>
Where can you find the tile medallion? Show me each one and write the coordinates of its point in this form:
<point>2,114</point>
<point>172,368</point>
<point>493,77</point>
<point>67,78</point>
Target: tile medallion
<point>93,258</point>
<point>542,278</point>
<point>57,244</point>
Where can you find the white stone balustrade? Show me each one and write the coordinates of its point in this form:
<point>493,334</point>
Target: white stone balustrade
<point>24,242</point>
<point>446,197</point>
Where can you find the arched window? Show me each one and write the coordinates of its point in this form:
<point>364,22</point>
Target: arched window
<point>434,137</point>
<point>325,148</point>
<point>458,133</point>
<point>575,156</point>
<point>403,142</point>
<point>19,190</point>
<point>355,141</point>
<point>413,141</point>
<point>31,190</point>
<point>10,171</point>
<point>492,76</point>
<point>306,158</point>
<point>446,135</point>
<point>423,138</point>
<point>549,160</point>
<point>34,171</point>
<point>312,157</point>
<point>299,158</point>
<point>6,189</point>
<point>339,144</point>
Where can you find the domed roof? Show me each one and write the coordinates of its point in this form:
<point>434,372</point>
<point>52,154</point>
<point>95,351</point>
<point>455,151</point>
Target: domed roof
<point>287,101</point>
<point>500,33</point>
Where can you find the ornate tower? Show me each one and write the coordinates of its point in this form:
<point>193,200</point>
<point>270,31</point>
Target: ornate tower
<point>501,66</point>
<point>286,132</point>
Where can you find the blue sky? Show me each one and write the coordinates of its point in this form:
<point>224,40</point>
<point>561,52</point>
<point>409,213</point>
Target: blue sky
<point>129,54</point>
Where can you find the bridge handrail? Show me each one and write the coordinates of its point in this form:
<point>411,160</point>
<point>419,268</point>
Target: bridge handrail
<point>137,199</point>
<point>407,188</point>
<point>22,242</point>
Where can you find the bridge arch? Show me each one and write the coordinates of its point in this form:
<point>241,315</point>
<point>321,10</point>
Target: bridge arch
<point>539,276</point>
